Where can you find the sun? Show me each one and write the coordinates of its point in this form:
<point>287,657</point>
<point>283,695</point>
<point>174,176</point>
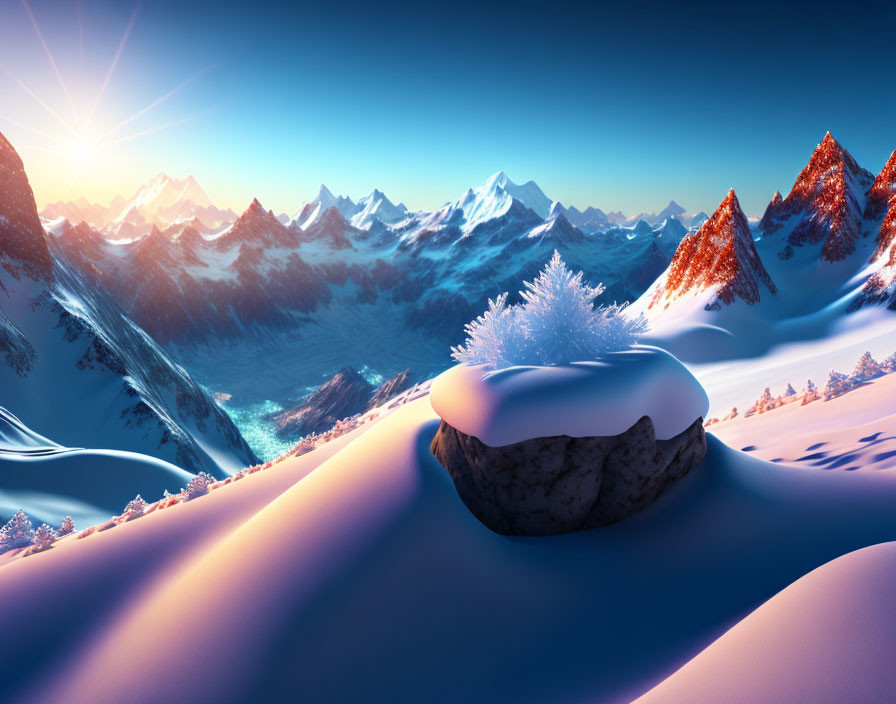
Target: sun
<point>82,154</point>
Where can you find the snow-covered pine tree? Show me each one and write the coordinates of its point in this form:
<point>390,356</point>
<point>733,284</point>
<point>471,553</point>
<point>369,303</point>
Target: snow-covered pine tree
<point>766,401</point>
<point>198,485</point>
<point>838,384</point>
<point>866,368</point>
<point>44,537</point>
<point>811,393</point>
<point>789,391</point>
<point>557,323</point>
<point>17,533</point>
<point>135,508</point>
<point>67,526</point>
<point>888,366</point>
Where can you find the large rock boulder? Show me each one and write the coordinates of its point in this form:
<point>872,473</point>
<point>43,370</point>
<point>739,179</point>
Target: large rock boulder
<point>545,486</point>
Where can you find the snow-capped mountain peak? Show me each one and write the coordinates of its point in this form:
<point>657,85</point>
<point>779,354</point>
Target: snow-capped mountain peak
<point>163,191</point>
<point>376,206</point>
<point>673,210</point>
<point>529,193</point>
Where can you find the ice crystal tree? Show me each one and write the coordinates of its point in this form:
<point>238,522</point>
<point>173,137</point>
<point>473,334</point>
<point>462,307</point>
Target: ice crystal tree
<point>17,533</point>
<point>866,368</point>
<point>557,323</point>
<point>135,508</point>
<point>67,526</point>
<point>44,537</point>
<point>198,485</point>
<point>838,384</point>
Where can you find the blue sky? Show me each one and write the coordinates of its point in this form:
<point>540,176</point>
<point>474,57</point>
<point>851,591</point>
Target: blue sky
<point>619,107</point>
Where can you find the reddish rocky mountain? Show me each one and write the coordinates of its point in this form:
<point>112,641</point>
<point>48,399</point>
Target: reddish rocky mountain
<point>720,256</point>
<point>258,227</point>
<point>827,201</point>
<point>23,243</point>
<point>772,214</point>
<point>881,207</point>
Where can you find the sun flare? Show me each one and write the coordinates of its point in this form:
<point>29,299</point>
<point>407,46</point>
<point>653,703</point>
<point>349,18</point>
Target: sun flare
<point>83,155</point>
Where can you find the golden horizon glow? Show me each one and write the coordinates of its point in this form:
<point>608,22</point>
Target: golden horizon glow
<point>75,140</point>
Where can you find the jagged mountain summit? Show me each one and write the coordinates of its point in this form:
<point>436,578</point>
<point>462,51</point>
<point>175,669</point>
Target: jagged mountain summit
<point>376,206</point>
<point>258,227</point>
<point>77,369</point>
<point>309,212</point>
<point>529,193</point>
<point>880,213</point>
<point>825,205</point>
<point>719,262</point>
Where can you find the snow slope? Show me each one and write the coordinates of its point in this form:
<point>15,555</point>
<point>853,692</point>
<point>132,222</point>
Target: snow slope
<point>50,482</point>
<point>827,638</point>
<point>360,556</point>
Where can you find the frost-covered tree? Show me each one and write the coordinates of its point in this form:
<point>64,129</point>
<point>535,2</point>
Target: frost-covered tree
<point>198,485</point>
<point>838,384</point>
<point>557,323</point>
<point>789,391</point>
<point>135,508</point>
<point>44,537</point>
<point>17,533</point>
<point>811,393</point>
<point>67,526</point>
<point>866,368</point>
<point>495,338</point>
<point>888,366</point>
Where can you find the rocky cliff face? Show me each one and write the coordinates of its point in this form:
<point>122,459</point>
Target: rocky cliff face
<point>23,243</point>
<point>547,486</point>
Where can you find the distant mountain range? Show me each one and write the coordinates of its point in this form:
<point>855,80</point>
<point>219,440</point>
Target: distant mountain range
<point>167,202</point>
<point>374,286</point>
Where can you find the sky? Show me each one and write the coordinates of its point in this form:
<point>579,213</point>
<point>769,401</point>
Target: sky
<point>623,106</point>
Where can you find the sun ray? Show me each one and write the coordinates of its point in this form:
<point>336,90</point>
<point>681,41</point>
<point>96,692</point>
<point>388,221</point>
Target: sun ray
<point>151,130</point>
<point>112,66</point>
<point>42,103</point>
<point>43,43</point>
<point>152,105</point>
<point>22,125</point>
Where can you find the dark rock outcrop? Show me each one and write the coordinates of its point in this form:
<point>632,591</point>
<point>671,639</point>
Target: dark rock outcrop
<point>345,394</point>
<point>391,388</point>
<point>547,486</point>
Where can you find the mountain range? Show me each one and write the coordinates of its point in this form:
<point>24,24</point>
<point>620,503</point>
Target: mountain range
<point>376,287</point>
<point>816,257</point>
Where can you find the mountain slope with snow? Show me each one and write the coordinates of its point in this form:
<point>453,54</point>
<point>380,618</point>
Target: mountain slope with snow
<point>78,370</point>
